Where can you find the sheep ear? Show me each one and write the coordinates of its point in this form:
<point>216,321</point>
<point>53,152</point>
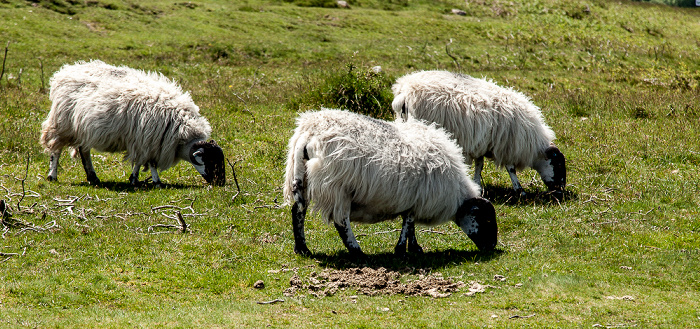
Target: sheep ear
<point>211,141</point>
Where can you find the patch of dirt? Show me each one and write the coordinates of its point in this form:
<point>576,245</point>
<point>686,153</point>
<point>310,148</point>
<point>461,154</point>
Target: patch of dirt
<point>372,282</point>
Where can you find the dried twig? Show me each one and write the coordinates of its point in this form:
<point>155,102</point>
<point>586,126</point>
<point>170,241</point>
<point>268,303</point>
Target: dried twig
<point>7,47</point>
<point>66,202</point>
<point>8,254</point>
<point>269,206</point>
<point>167,206</point>
<point>183,227</point>
<point>26,171</point>
<point>389,231</point>
<point>278,300</point>
<point>522,316</point>
<point>454,59</point>
<point>38,229</point>
<point>235,179</point>
<point>425,230</point>
<point>381,232</point>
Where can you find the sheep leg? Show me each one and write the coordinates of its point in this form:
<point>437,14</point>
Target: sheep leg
<point>53,166</point>
<point>348,238</point>
<point>154,174</point>
<point>514,179</point>
<point>298,216</point>
<point>478,167</point>
<point>86,159</point>
<point>134,177</point>
<point>407,236</point>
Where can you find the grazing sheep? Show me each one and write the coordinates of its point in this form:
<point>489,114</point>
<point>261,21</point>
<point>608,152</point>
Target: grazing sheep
<point>359,169</point>
<point>487,121</point>
<point>114,109</point>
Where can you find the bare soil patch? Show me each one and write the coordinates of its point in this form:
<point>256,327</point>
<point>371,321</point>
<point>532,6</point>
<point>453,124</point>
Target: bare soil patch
<point>369,281</point>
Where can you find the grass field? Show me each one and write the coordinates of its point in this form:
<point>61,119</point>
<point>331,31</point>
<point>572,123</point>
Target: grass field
<point>618,81</point>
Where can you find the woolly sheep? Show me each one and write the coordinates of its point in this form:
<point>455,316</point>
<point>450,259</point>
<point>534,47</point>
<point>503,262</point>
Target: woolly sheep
<point>359,169</point>
<point>487,121</point>
<point>115,109</point>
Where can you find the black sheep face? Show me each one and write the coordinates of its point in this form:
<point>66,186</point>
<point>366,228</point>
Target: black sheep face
<point>477,218</point>
<point>552,169</point>
<point>208,159</point>
<point>556,159</point>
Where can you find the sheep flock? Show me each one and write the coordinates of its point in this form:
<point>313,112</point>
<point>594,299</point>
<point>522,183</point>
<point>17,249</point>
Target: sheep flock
<point>345,166</point>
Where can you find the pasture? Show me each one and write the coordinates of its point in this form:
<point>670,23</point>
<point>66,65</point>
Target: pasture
<point>618,81</point>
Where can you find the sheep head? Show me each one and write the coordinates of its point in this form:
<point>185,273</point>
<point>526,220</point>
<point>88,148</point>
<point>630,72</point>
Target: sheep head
<point>208,159</point>
<point>477,218</point>
<point>552,169</point>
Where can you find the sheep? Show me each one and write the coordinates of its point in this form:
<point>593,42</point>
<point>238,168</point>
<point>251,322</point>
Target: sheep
<point>115,109</point>
<point>487,121</point>
<point>359,169</point>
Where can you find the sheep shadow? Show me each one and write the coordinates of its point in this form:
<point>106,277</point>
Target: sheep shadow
<point>506,195</point>
<point>409,263</point>
<point>119,186</point>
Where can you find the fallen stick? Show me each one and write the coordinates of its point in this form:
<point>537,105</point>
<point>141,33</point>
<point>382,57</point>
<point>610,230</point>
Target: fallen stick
<point>522,316</point>
<point>7,47</point>
<point>278,300</point>
<point>235,179</point>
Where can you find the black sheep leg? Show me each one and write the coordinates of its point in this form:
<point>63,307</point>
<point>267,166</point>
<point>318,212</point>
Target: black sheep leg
<point>348,238</point>
<point>298,216</point>
<point>407,238</point>
<point>87,165</point>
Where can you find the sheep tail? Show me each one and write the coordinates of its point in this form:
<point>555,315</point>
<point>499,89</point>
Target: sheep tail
<point>399,106</point>
<point>295,175</point>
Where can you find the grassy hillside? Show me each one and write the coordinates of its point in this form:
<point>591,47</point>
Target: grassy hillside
<point>617,80</point>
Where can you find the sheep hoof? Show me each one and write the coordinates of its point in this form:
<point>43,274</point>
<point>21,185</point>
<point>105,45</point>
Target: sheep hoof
<point>558,195</point>
<point>158,185</point>
<point>357,254</point>
<point>415,249</point>
<point>51,178</point>
<point>302,250</point>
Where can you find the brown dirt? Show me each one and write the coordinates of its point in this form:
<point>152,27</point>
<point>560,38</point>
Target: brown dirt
<point>371,282</point>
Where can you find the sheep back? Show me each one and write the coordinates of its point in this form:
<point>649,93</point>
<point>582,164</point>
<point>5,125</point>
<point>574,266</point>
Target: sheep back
<point>484,118</point>
<point>114,109</point>
<point>374,170</point>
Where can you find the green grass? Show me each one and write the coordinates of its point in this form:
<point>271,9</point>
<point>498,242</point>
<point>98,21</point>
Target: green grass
<point>618,81</point>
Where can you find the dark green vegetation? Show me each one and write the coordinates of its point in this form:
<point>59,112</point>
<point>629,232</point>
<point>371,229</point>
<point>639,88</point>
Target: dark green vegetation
<point>618,81</point>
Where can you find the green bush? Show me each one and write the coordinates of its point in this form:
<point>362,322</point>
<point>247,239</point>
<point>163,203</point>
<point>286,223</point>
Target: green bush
<point>359,90</point>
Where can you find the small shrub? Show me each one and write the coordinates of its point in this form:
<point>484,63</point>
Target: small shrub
<point>639,112</point>
<point>359,90</point>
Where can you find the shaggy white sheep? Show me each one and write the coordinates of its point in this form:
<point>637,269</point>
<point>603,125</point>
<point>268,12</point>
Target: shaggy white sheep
<point>114,109</point>
<point>359,169</point>
<point>486,120</point>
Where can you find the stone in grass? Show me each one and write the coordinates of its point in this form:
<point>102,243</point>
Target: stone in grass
<point>259,284</point>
